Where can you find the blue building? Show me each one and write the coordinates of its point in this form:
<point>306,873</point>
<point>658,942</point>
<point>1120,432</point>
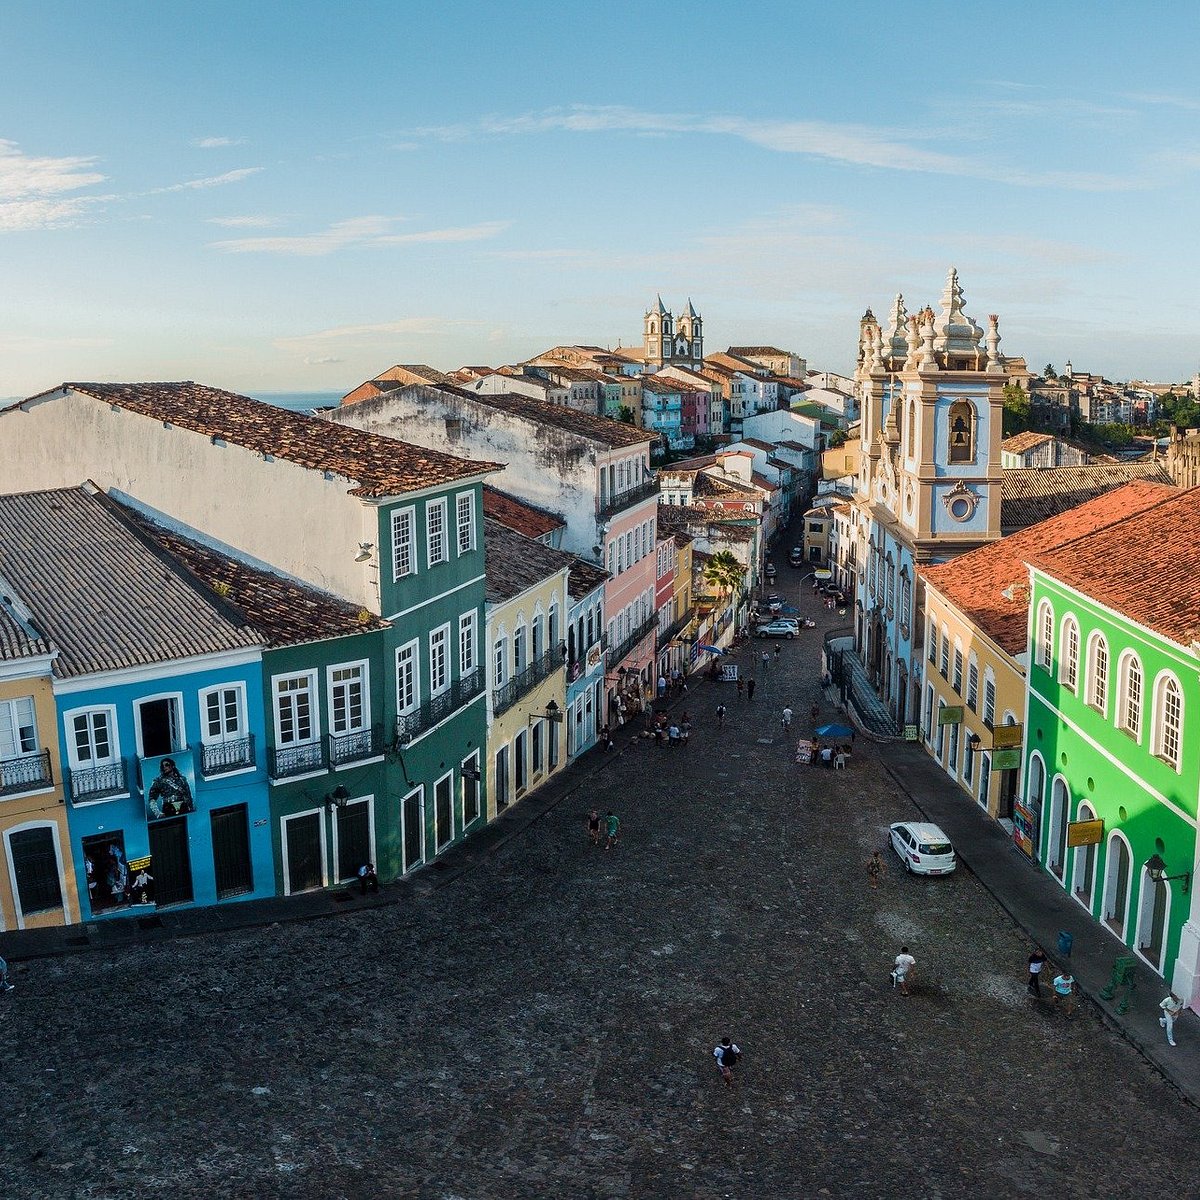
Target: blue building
<point>932,394</point>
<point>585,655</point>
<point>158,690</point>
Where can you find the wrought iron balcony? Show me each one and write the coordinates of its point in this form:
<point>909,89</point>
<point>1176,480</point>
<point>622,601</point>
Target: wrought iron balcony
<point>303,759</point>
<point>353,747</point>
<point>627,498</point>
<point>675,628</point>
<point>509,692</point>
<point>28,773</point>
<point>219,758</point>
<point>630,643</point>
<point>99,783</point>
<point>437,708</point>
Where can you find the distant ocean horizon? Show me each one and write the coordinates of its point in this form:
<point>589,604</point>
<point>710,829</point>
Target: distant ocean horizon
<point>301,401</point>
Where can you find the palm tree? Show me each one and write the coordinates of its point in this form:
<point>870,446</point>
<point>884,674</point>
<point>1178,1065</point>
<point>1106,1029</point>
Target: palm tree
<point>723,572</point>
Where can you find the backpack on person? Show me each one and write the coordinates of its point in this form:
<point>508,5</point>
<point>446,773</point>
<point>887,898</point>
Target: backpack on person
<point>730,1056</point>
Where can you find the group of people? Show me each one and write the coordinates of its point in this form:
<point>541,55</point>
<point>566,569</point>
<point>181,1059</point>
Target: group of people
<point>669,731</point>
<point>676,686</point>
<point>611,828</point>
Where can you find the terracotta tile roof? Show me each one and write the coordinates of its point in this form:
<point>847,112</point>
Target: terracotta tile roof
<point>1020,442</point>
<point>707,484</point>
<point>18,639</point>
<point>519,514</point>
<point>663,387</point>
<point>685,466</point>
<point>515,563</point>
<point>583,578</point>
<point>976,582</point>
<point>286,612</point>
<point>760,351</point>
<point>104,595</point>
<point>1032,494</point>
<point>1144,564</point>
<point>612,434</point>
<point>759,444</point>
<point>378,466</point>
<point>682,539</point>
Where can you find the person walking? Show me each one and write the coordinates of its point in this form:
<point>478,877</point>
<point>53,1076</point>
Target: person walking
<point>778,651</point>
<point>727,1054</point>
<point>720,716</point>
<point>875,869</point>
<point>612,829</point>
<point>1064,992</point>
<point>766,660</point>
<point>741,686</point>
<point>750,685</point>
<point>685,728</point>
<point>1171,1006</point>
<point>904,970</point>
<point>368,878</point>
<point>593,827</point>
<point>8,987</point>
<point>787,717</point>
<point>815,712</point>
<point>662,686</point>
<point>673,734</point>
<point>1037,960</point>
<point>606,739</point>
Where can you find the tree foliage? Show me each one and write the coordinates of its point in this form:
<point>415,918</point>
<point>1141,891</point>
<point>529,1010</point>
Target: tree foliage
<point>1018,412</point>
<point>625,414</point>
<point>723,572</point>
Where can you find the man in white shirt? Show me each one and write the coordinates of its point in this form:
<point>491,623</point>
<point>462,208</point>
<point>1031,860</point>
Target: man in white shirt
<point>1171,1007</point>
<point>787,718</point>
<point>727,1055</point>
<point>905,964</point>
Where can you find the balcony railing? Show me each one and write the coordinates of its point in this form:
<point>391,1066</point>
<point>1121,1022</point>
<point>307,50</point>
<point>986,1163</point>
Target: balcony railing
<point>353,747</point>
<point>509,692</point>
<point>303,759</point>
<point>675,628</point>
<point>28,773</point>
<point>631,496</point>
<point>630,643</point>
<point>99,783</point>
<point>425,716</point>
<point>219,758</point>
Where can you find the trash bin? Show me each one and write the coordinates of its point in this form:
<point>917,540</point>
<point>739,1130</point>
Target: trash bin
<point>1065,942</point>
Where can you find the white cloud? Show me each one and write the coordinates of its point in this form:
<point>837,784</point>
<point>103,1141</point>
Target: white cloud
<point>210,181</point>
<point>22,215</point>
<point>858,145</point>
<point>33,190</point>
<point>372,231</point>
<point>214,143</point>
<point>322,360</point>
<point>244,222</point>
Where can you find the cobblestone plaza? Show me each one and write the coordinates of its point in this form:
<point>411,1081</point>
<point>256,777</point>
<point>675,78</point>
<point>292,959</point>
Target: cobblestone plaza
<point>542,1024</point>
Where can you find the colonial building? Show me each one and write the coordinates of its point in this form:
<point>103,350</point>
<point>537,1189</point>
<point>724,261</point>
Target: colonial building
<point>585,655</point>
<point>1111,762</point>
<point>976,655</point>
<point>667,341</point>
<point>1031,449</point>
<point>931,392</point>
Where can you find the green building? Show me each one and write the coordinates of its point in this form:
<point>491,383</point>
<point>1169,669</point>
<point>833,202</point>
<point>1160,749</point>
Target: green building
<point>1111,763</point>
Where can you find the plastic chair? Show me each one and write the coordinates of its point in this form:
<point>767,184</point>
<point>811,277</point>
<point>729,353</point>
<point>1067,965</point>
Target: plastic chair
<point>839,763</point>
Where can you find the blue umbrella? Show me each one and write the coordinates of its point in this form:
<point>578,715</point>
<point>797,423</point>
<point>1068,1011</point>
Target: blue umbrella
<point>790,609</point>
<point>709,649</point>
<point>835,731</point>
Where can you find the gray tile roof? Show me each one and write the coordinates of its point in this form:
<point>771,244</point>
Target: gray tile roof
<point>17,639</point>
<point>103,595</point>
<point>584,578</point>
<point>1032,494</point>
<point>515,563</point>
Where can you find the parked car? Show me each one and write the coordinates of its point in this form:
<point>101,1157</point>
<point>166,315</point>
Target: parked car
<point>780,627</point>
<point>796,558</point>
<point>923,848</point>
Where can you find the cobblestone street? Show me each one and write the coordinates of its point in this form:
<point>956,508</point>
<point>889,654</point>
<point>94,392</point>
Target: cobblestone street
<point>542,1026</point>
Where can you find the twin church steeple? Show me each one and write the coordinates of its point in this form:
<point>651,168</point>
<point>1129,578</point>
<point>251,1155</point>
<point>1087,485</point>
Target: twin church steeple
<point>668,341</point>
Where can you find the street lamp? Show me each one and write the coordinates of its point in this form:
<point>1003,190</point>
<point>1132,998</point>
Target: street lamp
<point>338,797</point>
<point>1158,869</point>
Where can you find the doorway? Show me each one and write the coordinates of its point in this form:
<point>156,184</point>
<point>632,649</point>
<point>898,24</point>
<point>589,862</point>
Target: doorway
<point>231,851</point>
<point>1056,849</point>
<point>353,838</point>
<point>1116,885</point>
<point>1152,920</point>
<point>412,817</point>
<point>171,862</point>
<point>1084,873</point>
<point>305,845</point>
<point>158,725</point>
<point>443,812</point>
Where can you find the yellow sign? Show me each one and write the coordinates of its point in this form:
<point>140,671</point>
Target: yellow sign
<point>1085,833</point>
<point>1005,737</point>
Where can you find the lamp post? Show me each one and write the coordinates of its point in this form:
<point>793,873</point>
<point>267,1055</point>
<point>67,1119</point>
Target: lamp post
<point>338,797</point>
<point>1158,872</point>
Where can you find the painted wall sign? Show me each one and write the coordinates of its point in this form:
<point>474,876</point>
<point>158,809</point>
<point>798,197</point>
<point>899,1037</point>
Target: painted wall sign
<point>1085,833</point>
<point>952,714</point>
<point>1004,737</point>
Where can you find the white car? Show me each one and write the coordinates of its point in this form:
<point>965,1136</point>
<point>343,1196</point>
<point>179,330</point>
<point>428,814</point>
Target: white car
<point>782,627</point>
<point>923,848</point>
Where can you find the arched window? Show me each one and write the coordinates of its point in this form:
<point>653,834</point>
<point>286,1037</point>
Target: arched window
<point>1118,861</point>
<point>1129,684</point>
<point>1097,673</point>
<point>912,428</point>
<point>1059,815</point>
<point>1168,719</point>
<point>1037,780</point>
<point>972,696</point>
<point>1068,654</point>
<point>1045,635</point>
<point>962,432</point>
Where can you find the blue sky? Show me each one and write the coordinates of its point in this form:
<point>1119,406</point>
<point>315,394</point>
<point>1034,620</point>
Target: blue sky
<point>293,196</point>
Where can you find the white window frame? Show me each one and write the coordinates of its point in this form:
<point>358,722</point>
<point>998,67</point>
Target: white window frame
<point>1068,653</point>
<point>64,906</point>
<point>414,649</point>
<point>1097,697</point>
<point>439,541</point>
<point>180,728</point>
<point>1045,635</point>
<point>283,847</point>
<point>467,544</point>
<point>1132,728</point>
<point>407,516</point>
<point>472,760</point>
<point>335,848</point>
<point>11,705</point>
<point>439,846</point>
<point>314,706</point>
<point>114,739</point>
<point>363,667</point>
<point>225,736</point>
<point>500,661</point>
<point>1158,722</point>
<point>468,640</point>
<point>440,687</point>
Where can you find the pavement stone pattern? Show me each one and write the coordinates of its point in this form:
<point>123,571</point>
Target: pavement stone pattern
<point>541,1025</point>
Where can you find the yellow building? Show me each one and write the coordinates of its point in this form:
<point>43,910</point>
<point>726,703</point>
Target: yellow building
<point>37,880</point>
<point>976,651</point>
<point>527,607</point>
